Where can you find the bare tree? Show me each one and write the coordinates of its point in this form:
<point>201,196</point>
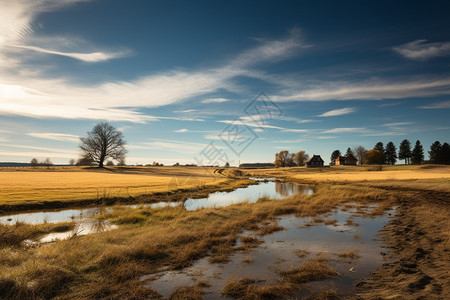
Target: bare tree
<point>360,153</point>
<point>47,162</point>
<point>300,158</point>
<point>281,158</point>
<point>103,142</point>
<point>34,162</point>
<point>71,162</point>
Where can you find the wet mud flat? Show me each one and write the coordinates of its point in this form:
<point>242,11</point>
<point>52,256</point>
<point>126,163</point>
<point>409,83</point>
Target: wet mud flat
<point>419,251</point>
<point>344,239</point>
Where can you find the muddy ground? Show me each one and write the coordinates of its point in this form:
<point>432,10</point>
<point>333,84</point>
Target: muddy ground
<point>420,250</point>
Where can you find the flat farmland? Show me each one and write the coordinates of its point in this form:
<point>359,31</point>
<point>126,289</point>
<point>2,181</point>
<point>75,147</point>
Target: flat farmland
<point>34,185</point>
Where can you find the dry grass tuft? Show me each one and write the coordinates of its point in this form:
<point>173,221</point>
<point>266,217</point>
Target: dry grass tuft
<point>331,222</point>
<point>187,292</point>
<point>268,229</point>
<point>350,222</point>
<point>323,295</point>
<point>237,288</point>
<point>352,254</point>
<point>310,270</point>
<point>51,281</point>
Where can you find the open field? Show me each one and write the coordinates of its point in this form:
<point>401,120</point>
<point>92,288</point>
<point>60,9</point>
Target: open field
<point>342,174</point>
<point>61,187</point>
<point>109,264</point>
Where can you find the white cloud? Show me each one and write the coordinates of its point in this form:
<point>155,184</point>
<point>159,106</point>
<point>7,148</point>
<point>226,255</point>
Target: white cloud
<point>271,51</point>
<point>421,50</point>
<point>338,112</point>
<point>183,130</point>
<point>344,130</point>
<point>288,141</point>
<point>384,133</point>
<point>368,90</point>
<point>437,105</point>
<point>87,57</point>
<point>185,111</point>
<point>55,136</point>
<point>397,124</point>
<point>247,121</point>
<point>215,100</point>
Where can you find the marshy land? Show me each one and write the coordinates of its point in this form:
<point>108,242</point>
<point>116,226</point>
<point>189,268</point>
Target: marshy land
<point>180,233</point>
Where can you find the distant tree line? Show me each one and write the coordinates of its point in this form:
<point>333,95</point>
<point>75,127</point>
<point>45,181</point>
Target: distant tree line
<point>439,153</point>
<point>286,159</point>
<point>46,163</point>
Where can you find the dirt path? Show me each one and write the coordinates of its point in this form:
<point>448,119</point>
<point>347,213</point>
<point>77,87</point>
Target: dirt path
<point>420,241</point>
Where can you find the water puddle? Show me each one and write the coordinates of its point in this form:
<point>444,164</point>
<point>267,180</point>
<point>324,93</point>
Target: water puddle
<point>84,227</point>
<point>273,190</point>
<point>333,241</point>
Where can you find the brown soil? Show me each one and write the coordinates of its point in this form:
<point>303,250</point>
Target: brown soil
<point>419,255</point>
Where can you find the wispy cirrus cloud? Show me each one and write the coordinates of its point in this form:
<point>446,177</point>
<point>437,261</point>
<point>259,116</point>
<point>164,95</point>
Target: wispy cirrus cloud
<point>345,130</point>
<point>215,100</point>
<point>421,50</point>
<point>398,124</point>
<point>97,56</point>
<point>338,112</point>
<point>184,130</point>
<point>437,105</point>
<point>368,90</point>
<point>246,121</point>
<point>55,136</point>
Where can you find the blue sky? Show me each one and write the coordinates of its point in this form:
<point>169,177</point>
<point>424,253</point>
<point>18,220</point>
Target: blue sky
<point>208,81</point>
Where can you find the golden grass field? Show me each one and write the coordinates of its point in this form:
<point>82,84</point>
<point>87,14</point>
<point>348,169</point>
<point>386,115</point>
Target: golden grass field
<point>358,173</point>
<point>32,185</point>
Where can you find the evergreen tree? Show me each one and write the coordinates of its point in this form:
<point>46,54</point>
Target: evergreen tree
<point>380,147</point>
<point>445,150</point>
<point>391,153</point>
<point>435,153</point>
<point>417,154</point>
<point>349,151</point>
<point>334,156</point>
<point>405,151</point>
